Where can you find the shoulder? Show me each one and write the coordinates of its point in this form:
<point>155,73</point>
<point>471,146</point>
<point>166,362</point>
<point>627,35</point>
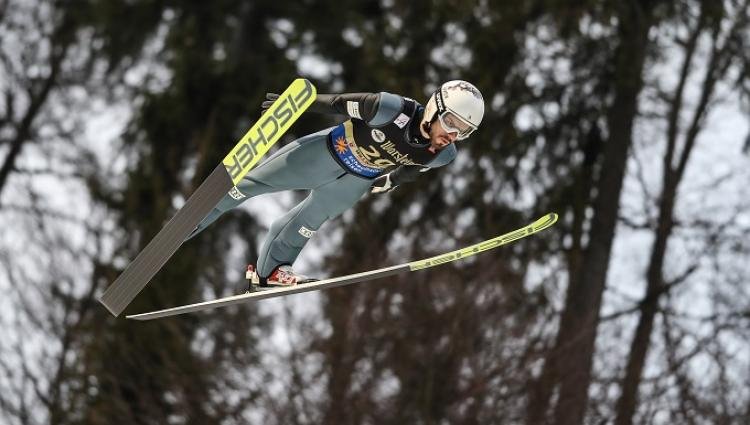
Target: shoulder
<point>390,106</point>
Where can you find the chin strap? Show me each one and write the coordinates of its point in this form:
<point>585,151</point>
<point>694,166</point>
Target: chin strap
<point>426,127</point>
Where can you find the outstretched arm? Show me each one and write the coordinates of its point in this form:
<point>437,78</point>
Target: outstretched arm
<point>363,106</point>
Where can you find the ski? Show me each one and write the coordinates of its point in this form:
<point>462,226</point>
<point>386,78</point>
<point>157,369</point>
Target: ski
<point>240,160</point>
<point>535,227</point>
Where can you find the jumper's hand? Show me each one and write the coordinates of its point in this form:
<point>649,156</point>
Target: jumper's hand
<point>270,98</point>
<point>383,184</point>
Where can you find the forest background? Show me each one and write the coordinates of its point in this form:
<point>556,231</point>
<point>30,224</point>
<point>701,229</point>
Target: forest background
<point>627,118</point>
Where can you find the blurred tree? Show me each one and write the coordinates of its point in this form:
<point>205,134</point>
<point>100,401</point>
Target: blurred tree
<point>724,24</point>
<point>30,77</point>
<point>491,340</point>
<point>44,65</point>
<point>218,58</point>
<point>568,364</point>
<point>423,337</point>
<point>185,68</point>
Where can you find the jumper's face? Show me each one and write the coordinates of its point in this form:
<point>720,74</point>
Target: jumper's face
<point>439,137</point>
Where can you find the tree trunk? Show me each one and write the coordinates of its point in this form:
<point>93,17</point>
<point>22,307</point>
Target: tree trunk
<point>38,95</point>
<point>642,339</point>
<point>569,364</point>
<point>672,176</point>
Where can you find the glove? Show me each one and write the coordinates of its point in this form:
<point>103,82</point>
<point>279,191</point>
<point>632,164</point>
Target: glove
<point>270,98</point>
<point>383,184</point>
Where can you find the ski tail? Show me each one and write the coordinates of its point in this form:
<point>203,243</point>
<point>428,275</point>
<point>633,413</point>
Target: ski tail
<point>153,257</point>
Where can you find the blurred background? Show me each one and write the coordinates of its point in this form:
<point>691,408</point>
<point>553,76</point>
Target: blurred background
<point>630,119</point>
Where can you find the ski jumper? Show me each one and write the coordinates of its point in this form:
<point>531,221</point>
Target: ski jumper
<point>337,165</point>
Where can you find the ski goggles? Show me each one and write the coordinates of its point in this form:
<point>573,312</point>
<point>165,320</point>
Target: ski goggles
<point>452,123</point>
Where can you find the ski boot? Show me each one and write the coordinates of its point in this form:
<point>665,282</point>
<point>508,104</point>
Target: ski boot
<point>281,276</point>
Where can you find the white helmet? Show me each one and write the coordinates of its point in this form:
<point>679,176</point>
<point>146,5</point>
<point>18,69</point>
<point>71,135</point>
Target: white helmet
<point>459,106</point>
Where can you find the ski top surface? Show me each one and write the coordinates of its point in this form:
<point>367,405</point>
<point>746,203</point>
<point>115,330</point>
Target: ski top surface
<point>269,128</point>
<point>239,161</point>
<point>504,239</point>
